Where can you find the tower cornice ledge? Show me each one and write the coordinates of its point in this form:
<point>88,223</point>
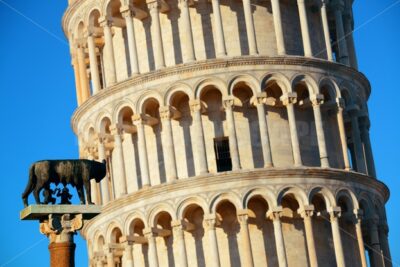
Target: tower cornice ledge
<point>332,68</point>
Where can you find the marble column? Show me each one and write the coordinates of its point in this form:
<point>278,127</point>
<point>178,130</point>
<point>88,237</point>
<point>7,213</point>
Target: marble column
<point>228,104</point>
<point>275,216</point>
<point>110,70</point>
<point>305,33</point>
<point>151,240</point>
<point>316,101</point>
<point>199,144</point>
<point>168,144</point>
<point>130,30</point>
<point>356,137</point>
<point>342,133</point>
<point>364,127</point>
<point>119,163</point>
<point>289,99</point>
<point>375,246</point>
<point>128,254</point>
<point>337,240</point>
<point>156,35</point>
<point>383,230</point>
<point>245,237</point>
<point>94,190</point>
<point>219,31</point>
<point>144,165</point>
<point>104,183</point>
<point>94,66</point>
<point>340,36</point>
<point>280,41</point>
<point>348,27</point>
<point>325,26</point>
<point>85,90</point>
<point>307,214</point>
<point>187,29</point>
<point>110,257</point>
<point>360,241</point>
<point>179,237</point>
<point>251,35</point>
<point>259,101</point>
<point>210,221</point>
<point>78,88</point>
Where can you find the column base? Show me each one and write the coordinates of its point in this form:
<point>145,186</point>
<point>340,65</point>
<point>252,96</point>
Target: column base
<point>62,254</point>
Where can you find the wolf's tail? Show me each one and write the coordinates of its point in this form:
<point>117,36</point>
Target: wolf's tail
<point>30,185</point>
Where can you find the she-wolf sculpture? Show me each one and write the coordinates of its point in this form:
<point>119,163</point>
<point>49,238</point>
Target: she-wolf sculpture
<point>76,173</point>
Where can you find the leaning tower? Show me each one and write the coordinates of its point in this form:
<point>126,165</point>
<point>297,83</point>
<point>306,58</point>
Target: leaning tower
<point>236,133</point>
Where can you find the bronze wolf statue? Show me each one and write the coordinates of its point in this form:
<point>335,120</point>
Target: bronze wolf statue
<point>76,173</point>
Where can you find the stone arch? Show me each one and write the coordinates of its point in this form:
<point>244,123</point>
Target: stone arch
<point>156,211</point>
<point>281,80</point>
<point>91,15</point>
<point>325,193</point>
<point>331,86</point>
<point>264,193</point>
<point>214,82</point>
<point>116,114</point>
<point>99,242</point>
<point>106,6</point>
<point>247,79</point>
<point>176,88</point>
<point>365,204</point>
<point>347,93</point>
<point>349,195</point>
<point>137,215</point>
<point>140,103</point>
<point>102,122</point>
<point>112,232</point>
<point>187,202</point>
<point>307,80</point>
<point>298,193</point>
<point>228,196</point>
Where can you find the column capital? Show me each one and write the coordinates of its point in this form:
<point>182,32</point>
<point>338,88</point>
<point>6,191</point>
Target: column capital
<point>211,221</point>
<point>334,212</point>
<point>317,99</point>
<point>243,216</point>
<point>274,214</point>
<point>169,112</point>
<point>105,21</point>
<point>306,211</point>
<point>228,102</point>
<point>289,98</point>
<point>126,11</point>
<point>259,99</point>
<point>358,214</point>
<point>197,105</point>
<point>61,228</point>
<point>340,103</point>
<point>116,129</point>
<point>158,5</point>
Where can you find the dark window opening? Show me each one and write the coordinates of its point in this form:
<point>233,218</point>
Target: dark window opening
<point>222,154</point>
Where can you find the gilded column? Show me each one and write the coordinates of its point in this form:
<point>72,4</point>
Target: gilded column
<point>316,101</point>
<point>259,102</point>
<point>110,70</point>
<point>251,35</point>
<point>168,143</point>
<point>342,133</point>
<point>275,216</point>
<point>307,214</point>
<point>210,221</point>
<point>120,178</point>
<point>305,33</point>
<point>153,258</point>
<point>159,59</point>
<point>144,165</point>
<point>280,41</point>
<point>233,144</point>
<point>219,31</point>
<point>195,108</point>
<point>246,243</point>
<point>187,28</point>
<point>178,235</point>
<point>289,99</point>
<point>325,26</point>
<point>337,240</point>
<point>94,67</point>
<point>133,57</point>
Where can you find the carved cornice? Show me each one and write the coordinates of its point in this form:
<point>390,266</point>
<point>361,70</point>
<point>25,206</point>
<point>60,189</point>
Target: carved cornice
<point>327,66</point>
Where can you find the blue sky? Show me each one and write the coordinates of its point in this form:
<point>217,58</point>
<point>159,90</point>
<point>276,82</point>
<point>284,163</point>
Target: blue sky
<point>38,98</point>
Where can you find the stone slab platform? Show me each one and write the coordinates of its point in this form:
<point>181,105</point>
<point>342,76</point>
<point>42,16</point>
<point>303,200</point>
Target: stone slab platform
<point>42,212</point>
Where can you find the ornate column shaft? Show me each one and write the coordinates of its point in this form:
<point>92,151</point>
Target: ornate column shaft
<point>342,133</point>
<point>233,144</point>
<point>343,53</point>
<point>305,33</point>
<point>325,26</point>
<point>360,241</point>
<point>307,214</point>
<point>259,101</point>
<point>94,67</point>
<point>364,126</point>
<point>104,183</point>
<point>159,59</point>
<point>210,221</point>
<point>337,240</point>
<point>246,243</point>
<point>110,71</point>
<point>383,230</point>
<point>289,99</point>
<point>168,144</point>
<point>219,31</point>
<point>187,28</point>
<point>120,178</point>
<point>251,35</point>
<point>180,239</point>
<point>144,165</point>
<point>133,57</point>
<point>280,41</point>
<point>78,88</point>
<point>317,100</point>
<point>153,257</point>
<point>275,216</point>
<point>358,150</point>
<point>195,108</point>
<point>85,90</point>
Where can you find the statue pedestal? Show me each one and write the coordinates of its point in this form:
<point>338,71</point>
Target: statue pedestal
<point>60,223</point>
